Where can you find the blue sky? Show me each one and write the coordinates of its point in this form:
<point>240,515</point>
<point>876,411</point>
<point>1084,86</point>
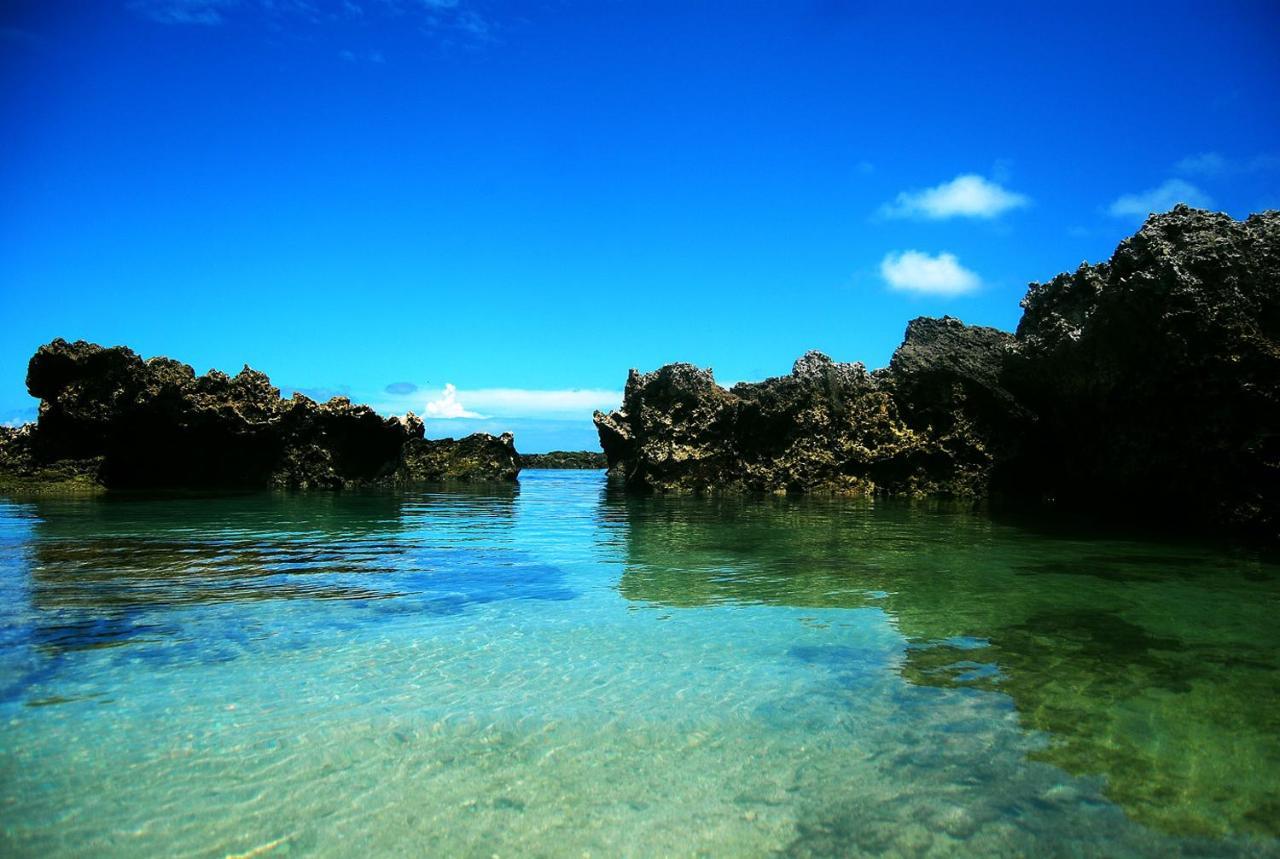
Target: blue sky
<point>523,200</point>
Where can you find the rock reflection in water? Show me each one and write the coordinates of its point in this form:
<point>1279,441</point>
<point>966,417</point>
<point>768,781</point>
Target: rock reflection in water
<point>1153,665</point>
<point>122,570</point>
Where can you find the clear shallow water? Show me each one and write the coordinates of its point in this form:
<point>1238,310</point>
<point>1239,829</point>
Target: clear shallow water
<point>559,670</point>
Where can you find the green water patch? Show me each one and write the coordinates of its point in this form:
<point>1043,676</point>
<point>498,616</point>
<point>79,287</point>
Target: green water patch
<point>1155,666</point>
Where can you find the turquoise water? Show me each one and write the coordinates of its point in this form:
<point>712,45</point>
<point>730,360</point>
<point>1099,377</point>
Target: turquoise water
<point>559,670</point>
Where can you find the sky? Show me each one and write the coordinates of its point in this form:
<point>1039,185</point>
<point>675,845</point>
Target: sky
<point>487,212</point>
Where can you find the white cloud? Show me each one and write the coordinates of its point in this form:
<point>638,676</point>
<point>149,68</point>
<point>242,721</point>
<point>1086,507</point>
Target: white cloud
<point>524,402</point>
<point>440,16</point>
<point>565,403</point>
<point>913,271</point>
<point>447,406</point>
<point>1204,164</point>
<point>205,12</point>
<point>966,196</point>
<point>1159,199</point>
<point>22,416</point>
<point>1214,164</point>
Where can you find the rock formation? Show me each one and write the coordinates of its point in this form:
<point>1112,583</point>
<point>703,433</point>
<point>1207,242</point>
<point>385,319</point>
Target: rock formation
<point>1155,377</point>
<point>1151,381</point>
<point>571,459</point>
<point>109,418</point>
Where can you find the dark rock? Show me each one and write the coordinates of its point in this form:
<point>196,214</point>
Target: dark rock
<point>21,471</point>
<point>1156,376</point>
<point>478,456</point>
<point>826,427</point>
<point>571,459</point>
<point>1150,382</point>
<point>946,379</point>
<point>120,421</point>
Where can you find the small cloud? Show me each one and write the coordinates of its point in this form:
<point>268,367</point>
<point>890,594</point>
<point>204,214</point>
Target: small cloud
<point>434,17</point>
<point>1204,164</point>
<point>1214,164</point>
<point>362,56</point>
<point>1162,198</point>
<point>20,417</point>
<point>447,407</point>
<point>505,403</point>
<point>864,168</point>
<point>913,271</point>
<point>966,196</point>
<point>525,402</point>
<point>401,388</point>
<point>204,12</point>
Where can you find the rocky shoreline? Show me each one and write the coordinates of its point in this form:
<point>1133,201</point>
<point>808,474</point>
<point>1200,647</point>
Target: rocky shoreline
<point>565,459</point>
<point>109,419</point>
<point>1146,384</point>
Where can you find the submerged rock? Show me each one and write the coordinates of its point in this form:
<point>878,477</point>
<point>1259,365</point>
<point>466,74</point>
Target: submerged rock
<point>109,418</point>
<point>570,459</point>
<point>1150,381</point>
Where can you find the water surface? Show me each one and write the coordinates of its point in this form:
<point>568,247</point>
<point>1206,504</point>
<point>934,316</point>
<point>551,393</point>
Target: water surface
<point>557,669</point>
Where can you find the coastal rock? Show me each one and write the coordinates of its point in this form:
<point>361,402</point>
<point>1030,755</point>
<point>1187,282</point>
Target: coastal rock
<point>565,459</point>
<point>119,421</point>
<point>1150,382</point>
<point>21,471</point>
<point>478,456</point>
<point>1156,376</point>
<point>946,379</point>
<point>826,427</point>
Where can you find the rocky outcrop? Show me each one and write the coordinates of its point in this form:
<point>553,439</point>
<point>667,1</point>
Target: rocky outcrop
<point>109,418</point>
<point>567,459</point>
<point>947,380</point>
<point>21,471</point>
<point>826,427</point>
<point>1151,380</point>
<point>476,457</point>
<point>1155,376</point>
<point>928,424</point>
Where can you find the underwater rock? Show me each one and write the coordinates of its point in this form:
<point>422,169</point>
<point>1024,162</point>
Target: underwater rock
<point>109,418</point>
<point>1149,382</point>
<point>578,459</point>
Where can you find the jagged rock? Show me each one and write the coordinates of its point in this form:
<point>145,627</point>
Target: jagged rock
<point>476,457</point>
<point>826,427</point>
<point>21,471</point>
<point>946,379</point>
<point>568,459</point>
<point>1156,375</point>
<point>1148,382</point>
<point>120,421</point>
